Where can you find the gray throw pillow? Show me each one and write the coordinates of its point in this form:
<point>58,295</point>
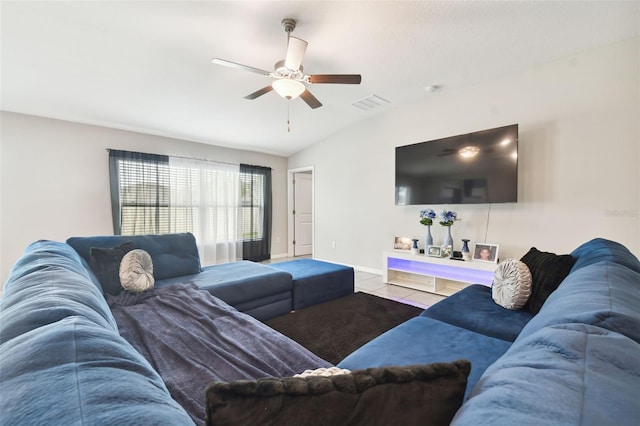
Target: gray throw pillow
<point>511,284</point>
<point>136,271</point>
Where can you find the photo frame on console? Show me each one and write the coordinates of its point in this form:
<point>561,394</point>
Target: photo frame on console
<point>486,253</point>
<point>434,251</point>
<point>402,243</point>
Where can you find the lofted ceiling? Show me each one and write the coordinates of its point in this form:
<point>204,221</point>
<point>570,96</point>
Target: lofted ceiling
<point>146,66</point>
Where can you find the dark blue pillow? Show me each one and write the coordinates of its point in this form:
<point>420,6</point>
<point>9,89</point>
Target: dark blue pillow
<point>105,263</point>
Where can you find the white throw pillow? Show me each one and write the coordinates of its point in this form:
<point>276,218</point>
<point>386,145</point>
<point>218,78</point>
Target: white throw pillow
<point>511,284</point>
<point>136,271</point>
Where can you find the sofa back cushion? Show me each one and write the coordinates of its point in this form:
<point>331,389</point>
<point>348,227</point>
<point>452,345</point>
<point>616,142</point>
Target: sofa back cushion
<point>37,255</point>
<point>570,374</point>
<point>604,294</point>
<point>74,372</point>
<point>599,249</point>
<point>173,255</point>
<point>50,283</point>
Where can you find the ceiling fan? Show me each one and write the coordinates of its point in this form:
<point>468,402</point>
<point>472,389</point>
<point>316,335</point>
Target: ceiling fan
<point>289,74</point>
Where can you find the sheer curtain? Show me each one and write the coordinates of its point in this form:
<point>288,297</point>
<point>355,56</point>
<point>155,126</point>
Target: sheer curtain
<point>204,199</point>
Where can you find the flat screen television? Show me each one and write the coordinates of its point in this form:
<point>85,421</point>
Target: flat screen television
<point>474,168</point>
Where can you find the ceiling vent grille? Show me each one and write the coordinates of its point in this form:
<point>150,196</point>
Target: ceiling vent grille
<point>370,102</point>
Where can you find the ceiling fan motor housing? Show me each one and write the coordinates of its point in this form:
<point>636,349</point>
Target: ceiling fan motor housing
<point>280,71</point>
<point>288,24</point>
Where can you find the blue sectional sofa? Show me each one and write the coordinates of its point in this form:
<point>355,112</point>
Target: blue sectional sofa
<point>576,362</point>
<point>64,358</point>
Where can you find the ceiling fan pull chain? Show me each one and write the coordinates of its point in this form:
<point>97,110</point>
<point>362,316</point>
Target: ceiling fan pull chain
<point>288,119</point>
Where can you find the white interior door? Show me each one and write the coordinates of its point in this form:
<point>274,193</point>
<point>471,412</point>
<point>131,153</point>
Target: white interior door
<point>302,214</point>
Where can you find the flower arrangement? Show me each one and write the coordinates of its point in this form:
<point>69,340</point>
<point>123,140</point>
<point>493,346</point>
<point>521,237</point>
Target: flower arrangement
<point>427,216</point>
<point>447,217</point>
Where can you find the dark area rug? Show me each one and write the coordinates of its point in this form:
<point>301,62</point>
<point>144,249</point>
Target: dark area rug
<point>334,329</point>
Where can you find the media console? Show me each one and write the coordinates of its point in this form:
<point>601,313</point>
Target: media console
<point>441,276</point>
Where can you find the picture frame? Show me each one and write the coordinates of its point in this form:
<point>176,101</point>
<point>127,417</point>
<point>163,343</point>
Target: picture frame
<point>485,253</point>
<point>434,251</point>
<point>402,243</point>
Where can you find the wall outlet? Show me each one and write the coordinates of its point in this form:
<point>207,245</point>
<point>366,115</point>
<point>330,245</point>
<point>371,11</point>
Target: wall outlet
<point>333,244</point>
<point>277,240</point>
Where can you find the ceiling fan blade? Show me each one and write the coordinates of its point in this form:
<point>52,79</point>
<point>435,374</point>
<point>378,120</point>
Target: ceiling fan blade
<point>311,100</point>
<point>240,66</point>
<point>295,53</point>
<point>259,93</point>
<point>335,78</point>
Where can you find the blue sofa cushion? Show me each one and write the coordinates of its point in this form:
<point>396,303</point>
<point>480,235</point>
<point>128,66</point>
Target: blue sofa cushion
<point>105,263</point>
<point>412,395</point>
<point>422,340</point>
<point>473,308</point>
<point>50,288</point>
<point>315,281</point>
<point>599,249</point>
<point>604,294</point>
<point>173,255</point>
<point>547,272</point>
<point>570,374</point>
<point>74,372</point>
<point>37,257</point>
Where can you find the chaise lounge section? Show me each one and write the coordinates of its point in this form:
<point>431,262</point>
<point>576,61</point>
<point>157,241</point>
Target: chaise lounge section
<point>258,290</point>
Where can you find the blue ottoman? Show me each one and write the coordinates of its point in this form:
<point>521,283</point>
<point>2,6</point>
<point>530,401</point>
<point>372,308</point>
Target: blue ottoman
<point>315,281</point>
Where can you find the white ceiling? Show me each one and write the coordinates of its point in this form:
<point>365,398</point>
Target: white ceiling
<point>146,66</point>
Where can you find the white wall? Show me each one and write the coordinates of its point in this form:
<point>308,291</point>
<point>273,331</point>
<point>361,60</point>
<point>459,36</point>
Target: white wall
<point>578,162</point>
<point>54,180</point>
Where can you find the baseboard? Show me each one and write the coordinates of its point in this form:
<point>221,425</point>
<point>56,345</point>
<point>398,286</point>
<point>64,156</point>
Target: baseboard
<point>279,256</point>
<point>355,267</point>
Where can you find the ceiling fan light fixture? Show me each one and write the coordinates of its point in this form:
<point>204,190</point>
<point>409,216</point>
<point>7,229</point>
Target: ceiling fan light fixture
<point>287,88</point>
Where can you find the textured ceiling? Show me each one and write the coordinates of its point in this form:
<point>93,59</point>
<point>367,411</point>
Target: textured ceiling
<point>146,66</point>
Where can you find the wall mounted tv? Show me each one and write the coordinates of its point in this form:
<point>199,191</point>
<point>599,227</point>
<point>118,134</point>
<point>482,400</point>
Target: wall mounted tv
<point>474,168</point>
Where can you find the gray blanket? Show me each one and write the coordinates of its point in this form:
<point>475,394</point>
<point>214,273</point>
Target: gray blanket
<point>192,338</point>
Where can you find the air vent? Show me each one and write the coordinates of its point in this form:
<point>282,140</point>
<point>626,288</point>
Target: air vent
<point>370,102</point>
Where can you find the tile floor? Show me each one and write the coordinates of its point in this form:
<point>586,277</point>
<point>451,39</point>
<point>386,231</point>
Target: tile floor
<point>373,284</point>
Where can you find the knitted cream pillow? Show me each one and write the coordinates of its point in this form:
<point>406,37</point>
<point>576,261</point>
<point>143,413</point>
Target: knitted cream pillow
<point>511,284</point>
<point>324,372</point>
<point>136,271</point>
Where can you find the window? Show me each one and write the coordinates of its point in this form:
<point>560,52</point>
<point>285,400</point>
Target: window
<point>227,207</point>
<point>252,206</point>
<point>140,194</point>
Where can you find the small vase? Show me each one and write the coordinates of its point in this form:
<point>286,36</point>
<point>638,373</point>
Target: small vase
<point>448,240</point>
<point>466,254</point>
<point>414,246</point>
<point>428,241</point>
